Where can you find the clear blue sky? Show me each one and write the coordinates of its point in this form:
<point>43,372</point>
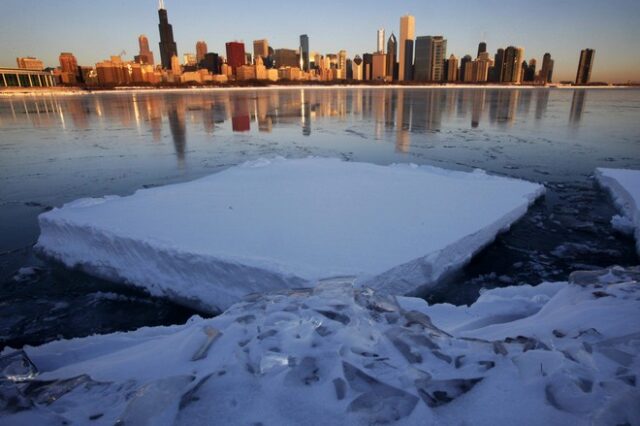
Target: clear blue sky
<point>93,30</point>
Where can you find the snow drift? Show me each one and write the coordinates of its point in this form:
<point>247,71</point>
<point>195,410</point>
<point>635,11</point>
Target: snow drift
<point>555,354</point>
<point>624,187</point>
<point>273,224</point>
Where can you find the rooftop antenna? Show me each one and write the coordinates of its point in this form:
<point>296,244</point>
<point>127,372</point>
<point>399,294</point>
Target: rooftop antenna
<point>161,4</point>
<point>484,34</point>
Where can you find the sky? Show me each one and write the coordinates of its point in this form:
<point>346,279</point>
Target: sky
<point>94,30</point>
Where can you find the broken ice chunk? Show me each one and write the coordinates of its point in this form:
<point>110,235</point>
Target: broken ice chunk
<point>212,335</point>
<point>17,367</point>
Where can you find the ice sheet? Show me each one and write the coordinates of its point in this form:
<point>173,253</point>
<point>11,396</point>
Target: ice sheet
<point>279,223</point>
<point>624,186</point>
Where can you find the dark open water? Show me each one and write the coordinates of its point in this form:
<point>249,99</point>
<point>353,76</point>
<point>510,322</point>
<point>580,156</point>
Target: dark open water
<point>56,149</point>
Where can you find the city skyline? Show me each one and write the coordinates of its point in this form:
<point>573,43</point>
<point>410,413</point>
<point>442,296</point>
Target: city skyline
<point>614,65</point>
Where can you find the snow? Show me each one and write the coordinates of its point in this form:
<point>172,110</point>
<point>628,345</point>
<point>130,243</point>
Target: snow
<point>624,187</point>
<point>272,224</point>
<point>558,353</point>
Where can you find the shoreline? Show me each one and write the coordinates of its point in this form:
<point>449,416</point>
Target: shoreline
<point>64,91</point>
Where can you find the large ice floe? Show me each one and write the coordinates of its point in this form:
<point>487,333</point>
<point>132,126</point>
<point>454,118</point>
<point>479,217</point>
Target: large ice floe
<point>555,354</point>
<point>273,224</point>
<point>624,187</point>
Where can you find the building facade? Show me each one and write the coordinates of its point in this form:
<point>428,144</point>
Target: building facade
<point>17,77</point>
<point>235,55</point>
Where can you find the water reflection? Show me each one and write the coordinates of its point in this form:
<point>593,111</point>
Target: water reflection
<point>403,112</point>
<point>577,106</point>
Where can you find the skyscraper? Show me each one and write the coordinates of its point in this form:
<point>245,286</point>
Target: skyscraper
<point>513,57</point>
<point>452,69</point>
<point>201,51</point>
<point>392,62</point>
<point>439,55</point>
<point>146,55</point>
<point>482,47</point>
<point>465,62</point>
<point>304,52</point>
<point>342,64</point>
<point>378,66</point>
<point>585,66</point>
<point>546,72</point>
<point>424,53</point>
<point>380,44</point>
<point>430,58</point>
<point>69,70</point>
<point>407,34</point>
<point>235,54</point>
<point>260,49</point>
<point>498,67</point>
<point>168,47</point>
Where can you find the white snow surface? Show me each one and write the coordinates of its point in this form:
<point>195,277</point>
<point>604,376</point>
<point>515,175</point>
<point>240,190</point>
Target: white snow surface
<point>272,224</point>
<point>555,354</point>
<point>624,186</point>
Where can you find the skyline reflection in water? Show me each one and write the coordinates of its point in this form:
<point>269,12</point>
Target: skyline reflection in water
<point>405,110</point>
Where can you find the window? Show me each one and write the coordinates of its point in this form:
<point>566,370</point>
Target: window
<point>24,80</point>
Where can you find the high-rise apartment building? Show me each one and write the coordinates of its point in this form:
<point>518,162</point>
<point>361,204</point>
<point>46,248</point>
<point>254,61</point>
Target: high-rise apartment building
<point>235,55</point>
<point>201,51</point>
<point>146,55</point>
<point>497,72</point>
<point>546,71</point>
<point>30,63</point>
<point>392,61</point>
<point>407,36</point>
<point>452,69</point>
<point>513,57</point>
<point>357,68</point>
<point>261,49</point>
<point>168,46</point>
<point>380,41</point>
<point>305,64</point>
<point>585,66</point>
<point>529,71</point>
<point>465,62</point>
<point>68,63</point>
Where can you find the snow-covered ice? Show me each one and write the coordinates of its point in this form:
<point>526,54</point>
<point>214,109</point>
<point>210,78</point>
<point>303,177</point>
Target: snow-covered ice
<point>555,354</point>
<point>273,224</point>
<point>624,186</point>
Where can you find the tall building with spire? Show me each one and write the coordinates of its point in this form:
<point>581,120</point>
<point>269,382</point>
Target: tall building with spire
<point>168,47</point>
<point>380,41</point>
<point>407,35</point>
<point>482,47</point>
<point>585,66</point>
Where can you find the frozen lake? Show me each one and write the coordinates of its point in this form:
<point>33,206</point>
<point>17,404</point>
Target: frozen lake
<point>56,149</point>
